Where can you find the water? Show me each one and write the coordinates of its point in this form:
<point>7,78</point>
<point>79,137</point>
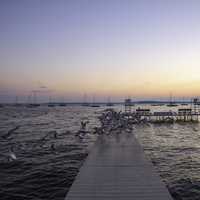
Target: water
<point>42,172</point>
<point>45,169</point>
<point>174,149</point>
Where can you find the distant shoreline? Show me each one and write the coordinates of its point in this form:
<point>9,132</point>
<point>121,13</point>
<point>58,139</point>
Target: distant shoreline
<point>104,103</point>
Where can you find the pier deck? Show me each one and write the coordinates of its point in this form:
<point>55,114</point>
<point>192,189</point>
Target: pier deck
<point>116,168</point>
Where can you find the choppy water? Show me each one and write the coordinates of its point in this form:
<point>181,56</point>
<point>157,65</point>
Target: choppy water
<point>42,172</point>
<point>45,169</point>
<point>175,151</point>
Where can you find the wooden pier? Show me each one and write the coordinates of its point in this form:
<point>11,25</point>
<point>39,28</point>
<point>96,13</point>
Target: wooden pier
<point>117,168</point>
<point>183,115</point>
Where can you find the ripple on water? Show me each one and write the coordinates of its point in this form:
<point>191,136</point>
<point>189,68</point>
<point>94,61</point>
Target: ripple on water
<point>174,150</point>
<point>45,169</point>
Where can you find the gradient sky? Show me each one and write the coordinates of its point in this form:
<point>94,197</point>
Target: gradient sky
<point>116,48</point>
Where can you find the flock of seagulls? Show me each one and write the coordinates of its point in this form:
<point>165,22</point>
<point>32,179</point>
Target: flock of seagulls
<point>11,156</point>
<point>110,121</point>
<point>113,121</point>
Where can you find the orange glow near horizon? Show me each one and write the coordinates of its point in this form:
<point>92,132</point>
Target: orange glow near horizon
<point>116,86</point>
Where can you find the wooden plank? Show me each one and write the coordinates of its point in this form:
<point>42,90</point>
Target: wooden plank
<point>116,168</point>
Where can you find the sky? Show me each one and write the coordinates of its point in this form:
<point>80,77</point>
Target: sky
<point>144,49</point>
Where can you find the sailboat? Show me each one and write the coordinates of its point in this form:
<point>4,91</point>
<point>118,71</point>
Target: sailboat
<point>85,103</point>
<point>50,104</point>
<point>17,104</point>
<point>94,104</point>
<point>34,104</point>
<point>184,103</point>
<point>171,103</point>
<point>62,103</point>
<point>109,103</point>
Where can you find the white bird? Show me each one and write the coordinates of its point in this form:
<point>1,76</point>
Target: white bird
<point>81,136</point>
<point>10,156</point>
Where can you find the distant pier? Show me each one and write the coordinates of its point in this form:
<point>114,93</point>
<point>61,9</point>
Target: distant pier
<point>180,115</point>
<point>117,168</point>
<point>183,115</point>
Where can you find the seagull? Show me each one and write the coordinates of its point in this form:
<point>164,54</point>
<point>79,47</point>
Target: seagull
<point>82,132</point>
<point>83,124</point>
<point>53,133</point>
<point>81,136</point>
<point>10,155</point>
<point>53,147</point>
